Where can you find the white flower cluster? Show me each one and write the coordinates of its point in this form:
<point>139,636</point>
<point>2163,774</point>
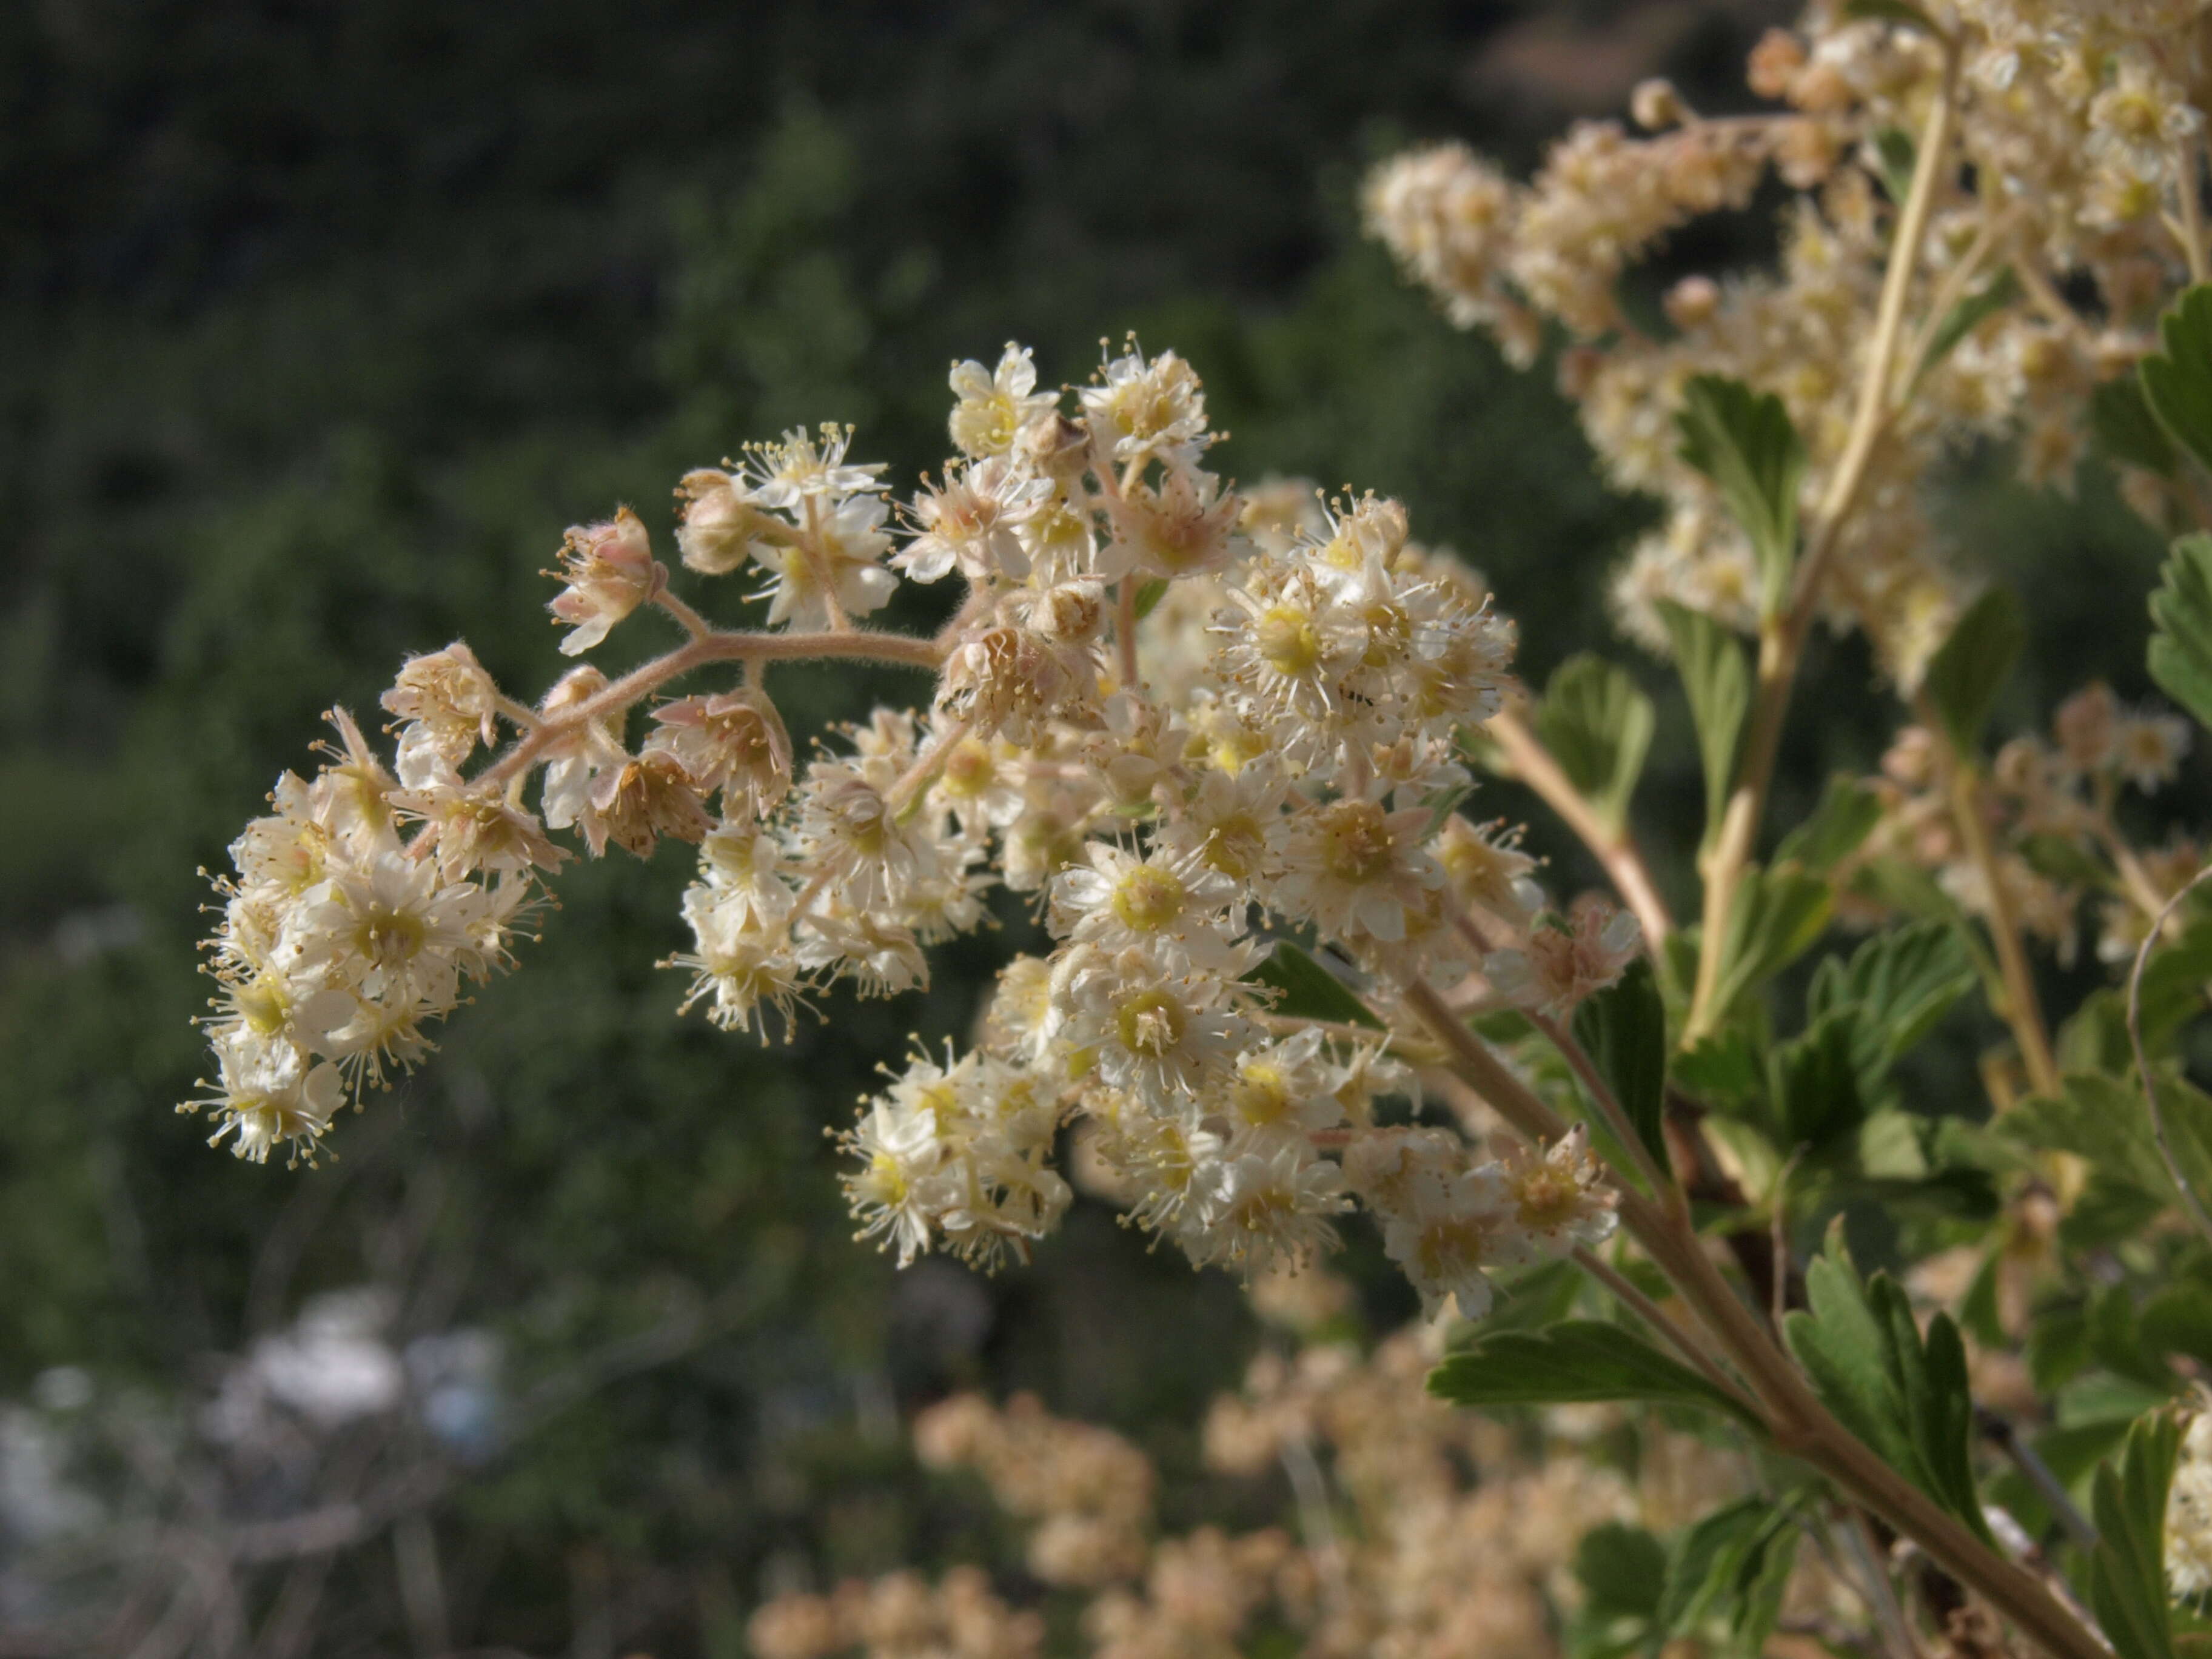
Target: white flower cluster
<point>2067,194</point>
<point>338,946</point>
<point>1181,721</point>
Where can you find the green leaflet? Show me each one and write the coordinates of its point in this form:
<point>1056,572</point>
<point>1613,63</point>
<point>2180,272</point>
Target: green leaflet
<point>2127,1570</point>
<point>1839,826</point>
<point>2181,623</point>
<point>1897,986</point>
<point>1890,11</point>
<point>1577,1359</point>
<point>1743,441</point>
<point>2106,1122</point>
<point>1717,681</point>
<point>2176,382</point>
<point>1149,595</point>
<point>1598,724</point>
<point>1624,1029</point>
<point>1310,991</point>
<point>1967,673</point>
<point>2120,419</point>
<point>1730,1569</point>
<point>1776,916</point>
<point>1906,1397</point>
<point>1970,314</point>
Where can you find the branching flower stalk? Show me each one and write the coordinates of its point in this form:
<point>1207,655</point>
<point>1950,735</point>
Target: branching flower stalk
<point>1213,739</point>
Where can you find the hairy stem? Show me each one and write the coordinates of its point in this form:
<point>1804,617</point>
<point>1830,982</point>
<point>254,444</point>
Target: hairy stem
<point>2023,1009</point>
<point>1796,1420</point>
<point>1615,849</point>
<point>716,646</point>
<point>1782,639</point>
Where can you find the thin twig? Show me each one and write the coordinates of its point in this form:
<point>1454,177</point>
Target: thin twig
<point>1613,849</point>
<point>1623,1289</point>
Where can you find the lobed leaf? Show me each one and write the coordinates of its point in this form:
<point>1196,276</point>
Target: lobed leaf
<point>1310,991</point>
<point>1717,680</point>
<point>2181,626</point>
<point>2176,380</point>
<point>2127,1570</point>
<point>1777,914</point>
<point>1744,442</point>
<point>1598,724</point>
<point>1968,670</point>
<point>1576,1360</point>
<point>1624,1029</point>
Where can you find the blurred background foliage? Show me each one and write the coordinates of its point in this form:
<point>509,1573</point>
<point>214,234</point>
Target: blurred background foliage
<point>317,324</point>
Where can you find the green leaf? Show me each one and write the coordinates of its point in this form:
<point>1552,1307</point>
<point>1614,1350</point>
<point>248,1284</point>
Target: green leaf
<point>2176,382</point>
<point>1744,442</point>
<point>1815,1083</point>
<point>1576,1360</point>
<point>1310,991</point>
<point>2127,1570</point>
<point>1623,1570</point>
<point>2181,627</point>
<point>2173,982</point>
<point>1717,680</point>
<point>1597,724</point>
<point>1967,670</point>
<point>2126,430</point>
<point>1839,826</point>
<point>1730,1569</point>
<point>1776,916</point>
<point>1900,984</point>
<point>1624,1029</point>
<point>1896,154</point>
<point>1889,11</point>
<point>1149,595</point>
<point>1538,1297</point>
<point>1970,314</point>
<point>1906,1398</point>
<point>2106,1122</point>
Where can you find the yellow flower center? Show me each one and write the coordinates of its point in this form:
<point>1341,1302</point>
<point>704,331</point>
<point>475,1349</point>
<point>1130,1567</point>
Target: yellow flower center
<point>1287,640</point>
<point>1262,1094</point>
<point>1148,899</point>
<point>1356,840</point>
<point>1151,1024</point>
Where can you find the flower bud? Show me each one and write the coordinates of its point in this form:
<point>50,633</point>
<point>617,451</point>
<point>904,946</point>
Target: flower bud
<point>722,524</point>
<point>1656,105</point>
<point>1692,302</point>
<point>611,571</point>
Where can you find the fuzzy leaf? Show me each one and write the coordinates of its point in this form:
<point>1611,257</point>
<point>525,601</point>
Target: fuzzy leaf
<point>1576,1360</point>
<point>1815,1083</point>
<point>2181,620</point>
<point>1149,595</point>
<point>1839,826</point>
<point>1776,916</point>
<point>1598,724</point>
<point>2176,382</point>
<point>2121,420</point>
<point>1743,441</point>
<point>2127,1570</point>
<point>1310,991</point>
<point>1967,670</point>
<point>1889,11</point>
<point>1717,681</point>
<point>1730,1569</point>
<point>1906,1398</point>
<point>1624,1028</point>
<point>1899,984</point>
<point>1970,314</point>
<point>2106,1122</point>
